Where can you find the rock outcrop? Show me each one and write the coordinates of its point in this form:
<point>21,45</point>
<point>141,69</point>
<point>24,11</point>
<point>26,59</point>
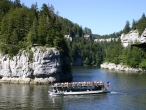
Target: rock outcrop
<point>38,62</point>
<point>128,39</point>
<point>107,40</point>
<point>120,67</point>
<point>132,37</point>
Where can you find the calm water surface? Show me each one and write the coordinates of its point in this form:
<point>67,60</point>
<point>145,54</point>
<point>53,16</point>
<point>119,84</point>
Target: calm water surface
<point>128,92</point>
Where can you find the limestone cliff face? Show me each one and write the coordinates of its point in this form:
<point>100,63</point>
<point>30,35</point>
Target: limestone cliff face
<point>132,37</point>
<point>38,62</point>
<point>128,39</point>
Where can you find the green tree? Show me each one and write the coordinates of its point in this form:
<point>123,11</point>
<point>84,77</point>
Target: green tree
<point>42,30</point>
<point>142,24</point>
<point>86,62</point>
<point>134,25</point>
<point>31,37</point>
<point>87,31</point>
<point>17,3</point>
<point>143,64</point>
<point>126,28</point>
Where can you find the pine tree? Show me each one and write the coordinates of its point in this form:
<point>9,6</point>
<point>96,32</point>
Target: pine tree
<point>134,25</point>
<point>126,28</point>
<point>142,24</point>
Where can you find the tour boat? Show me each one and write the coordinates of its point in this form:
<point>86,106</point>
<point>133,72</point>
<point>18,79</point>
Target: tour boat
<point>79,88</point>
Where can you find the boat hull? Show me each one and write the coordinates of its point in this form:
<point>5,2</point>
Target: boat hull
<point>78,93</point>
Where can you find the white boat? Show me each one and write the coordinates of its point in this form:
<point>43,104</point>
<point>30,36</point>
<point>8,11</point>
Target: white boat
<point>78,88</point>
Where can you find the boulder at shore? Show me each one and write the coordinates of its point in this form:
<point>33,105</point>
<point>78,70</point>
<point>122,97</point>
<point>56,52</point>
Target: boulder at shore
<point>120,67</point>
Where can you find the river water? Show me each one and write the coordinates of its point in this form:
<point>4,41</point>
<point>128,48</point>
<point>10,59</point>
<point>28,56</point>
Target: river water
<point>128,92</point>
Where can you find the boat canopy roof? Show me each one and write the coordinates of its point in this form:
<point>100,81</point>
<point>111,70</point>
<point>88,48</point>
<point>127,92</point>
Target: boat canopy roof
<point>74,84</point>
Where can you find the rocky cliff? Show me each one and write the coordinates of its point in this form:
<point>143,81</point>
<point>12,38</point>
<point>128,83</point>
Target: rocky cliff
<point>38,63</point>
<point>127,39</point>
<point>132,37</point>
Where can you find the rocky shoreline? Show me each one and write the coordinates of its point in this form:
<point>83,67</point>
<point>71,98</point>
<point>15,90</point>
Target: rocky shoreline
<point>120,67</point>
<point>27,80</point>
<point>23,80</point>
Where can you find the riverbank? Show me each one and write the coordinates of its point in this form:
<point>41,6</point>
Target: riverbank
<point>27,80</point>
<point>120,67</point>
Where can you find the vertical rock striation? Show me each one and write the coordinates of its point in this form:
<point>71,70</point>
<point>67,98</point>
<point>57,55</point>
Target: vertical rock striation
<point>38,62</point>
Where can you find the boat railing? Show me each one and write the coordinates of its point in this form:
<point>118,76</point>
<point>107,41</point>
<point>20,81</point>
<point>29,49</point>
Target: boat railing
<point>75,84</point>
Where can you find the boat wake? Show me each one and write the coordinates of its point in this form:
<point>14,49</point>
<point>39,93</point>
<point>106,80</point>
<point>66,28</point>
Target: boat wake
<point>112,92</point>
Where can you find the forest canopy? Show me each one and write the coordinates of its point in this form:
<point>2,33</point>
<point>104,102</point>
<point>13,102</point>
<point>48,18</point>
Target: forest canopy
<point>22,27</point>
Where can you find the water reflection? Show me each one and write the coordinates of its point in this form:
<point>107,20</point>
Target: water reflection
<point>76,102</point>
<point>15,96</point>
<point>128,91</point>
<point>56,102</point>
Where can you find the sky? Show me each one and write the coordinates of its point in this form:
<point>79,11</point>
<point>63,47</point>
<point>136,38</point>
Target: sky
<point>101,16</point>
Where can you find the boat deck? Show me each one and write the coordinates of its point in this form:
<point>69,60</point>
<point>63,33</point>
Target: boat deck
<point>74,84</point>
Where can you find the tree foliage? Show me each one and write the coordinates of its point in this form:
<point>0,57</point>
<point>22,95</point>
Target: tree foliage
<point>142,24</point>
<point>127,27</point>
<point>22,27</point>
